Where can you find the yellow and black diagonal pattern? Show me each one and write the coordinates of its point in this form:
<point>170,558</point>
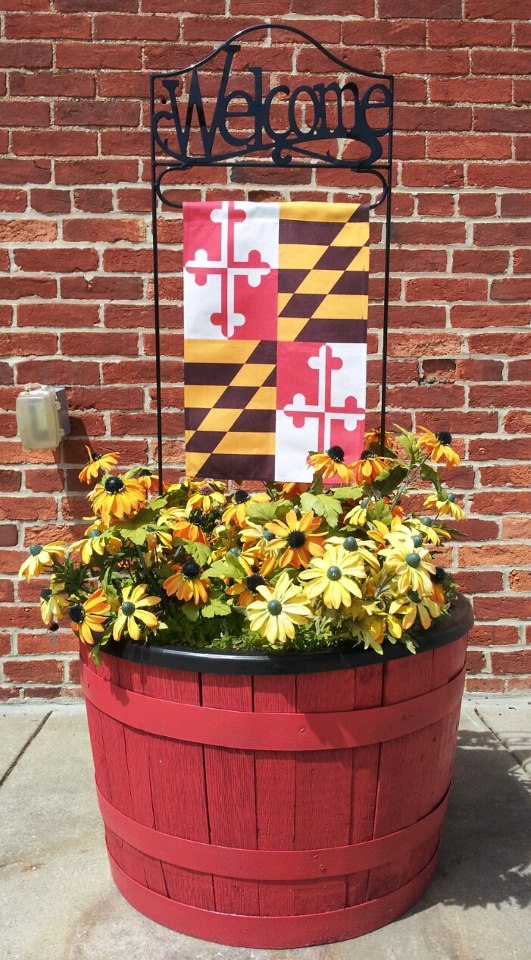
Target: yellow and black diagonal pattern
<point>230,404</point>
<point>323,272</point>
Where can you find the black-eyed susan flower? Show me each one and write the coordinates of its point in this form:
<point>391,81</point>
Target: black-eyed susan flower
<point>97,540</point>
<point>53,602</point>
<point>362,549</point>
<point>369,467</point>
<point>411,565</point>
<point>445,505</point>
<point>87,619</point>
<point>106,462</point>
<point>146,477</point>
<point>292,489</point>
<point>415,607</point>
<point>117,497</point>
<point>357,517</point>
<point>133,615</point>
<point>236,512</point>
<point>280,610</point>
<point>41,557</point>
<point>334,576</point>
<point>439,446</point>
<point>429,531</point>
<point>246,590</point>
<point>182,526</point>
<point>297,538</point>
<point>187,582</point>
<point>207,496</point>
<point>372,438</point>
<point>331,464</point>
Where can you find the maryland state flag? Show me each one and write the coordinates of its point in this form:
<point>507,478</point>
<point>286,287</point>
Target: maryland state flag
<point>275,328</point>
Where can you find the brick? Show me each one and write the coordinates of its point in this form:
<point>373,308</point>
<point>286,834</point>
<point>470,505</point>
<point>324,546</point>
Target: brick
<point>6,373</point>
<point>57,260</point>
<point>519,370</point>
<point>471,90</point>
<point>211,7</point>
<point>516,528</point>
<point>502,234</point>
<point>489,635</point>
<point>110,288</point>
<point>476,316</point>
<point>521,92</point>
<point>520,581</point>
<point>13,201</point>
<point>95,171</point>
<point>72,6</point>
<point>453,62</point>
<point>495,62</point>
<point>47,84</point>
<point>104,229</point>
<point>25,171</point>
<point>24,113</point>
<point>86,113</point>
<point>484,685</point>
<point>446,289</point>
<point>13,288</point>
<point>396,33</point>
<point>434,205</point>
<point>8,534</point>
<point>105,344</point>
<point>516,175</point>
<point>493,9</point>
<point>517,661</point>
<point>493,119</point>
<point>475,661</point>
<point>433,118</point>
<point>10,481</point>
<point>63,314</point>
<point>495,449</point>
<point>480,261</point>
<point>93,201</point>
<point>521,685</point>
<point>34,671</point>
<point>25,55</point>
<point>505,608</point>
<point>429,234</point>
<point>123,83</point>
<point>60,372</point>
<point>504,474</point>
<point>51,201</point>
<point>47,26</point>
<point>311,61</point>
<point>477,204</point>
<point>54,143</point>
<point>459,33</point>
<point>99,56</point>
<point>421,9</point>
<point>425,345</point>
<point>26,508</point>
<point>522,261</point>
<point>517,421</point>
<point>125,143</point>
<point>512,288</point>
<point>127,27</point>
<point>468,148</point>
<point>420,174</point>
<point>514,344</point>
<point>127,260</point>
<point>57,642</point>
<point>21,231</point>
<point>522,148</point>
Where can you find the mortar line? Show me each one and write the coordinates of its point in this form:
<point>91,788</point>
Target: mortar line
<point>21,752</point>
<point>516,759</point>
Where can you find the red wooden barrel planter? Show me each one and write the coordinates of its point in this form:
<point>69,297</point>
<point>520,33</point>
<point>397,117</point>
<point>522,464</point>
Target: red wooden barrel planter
<point>272,801</point>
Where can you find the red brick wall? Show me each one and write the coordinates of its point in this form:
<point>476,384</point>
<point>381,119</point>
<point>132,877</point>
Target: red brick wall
<point>75,290</point>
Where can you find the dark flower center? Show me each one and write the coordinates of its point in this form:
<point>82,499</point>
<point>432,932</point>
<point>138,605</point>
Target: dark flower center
<point>439,576</point>
<point>254,581</point>
<point>241,496</point>
<point>94,455</point>
<point>412,559</point>
<point>205,489</point>
<point>350,544</point>
<point>368,455</point>
<point>35,549</point>
<point>128,608</point>
<point>113,485</point>
<point>190,570</point>
<point>235,551</point>
<point>77,613</point>
<point>337,454</point>
<point>444,437</point>
<point>417,540</point>
<point>274,607</point>
<point>413,595</point>
<point>46,594</point>
<point>333,573</point>
<point>53,626</point>
<point>451,497</point>
<point>269,535</point>
<point>145,472</point>
<point>296,539</point>
<point>93,534</point>
<point>427,521</point>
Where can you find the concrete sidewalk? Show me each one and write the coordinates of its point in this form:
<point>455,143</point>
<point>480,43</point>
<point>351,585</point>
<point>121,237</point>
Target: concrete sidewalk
<point>57,900</point>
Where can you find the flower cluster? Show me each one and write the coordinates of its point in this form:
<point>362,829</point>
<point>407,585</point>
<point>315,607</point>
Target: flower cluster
<point>334,562</point>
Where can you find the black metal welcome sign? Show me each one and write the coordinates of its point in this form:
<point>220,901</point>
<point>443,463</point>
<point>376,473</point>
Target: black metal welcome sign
<point>332,111</point>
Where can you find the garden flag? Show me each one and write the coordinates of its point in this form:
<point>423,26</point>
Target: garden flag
<point>275,331</point>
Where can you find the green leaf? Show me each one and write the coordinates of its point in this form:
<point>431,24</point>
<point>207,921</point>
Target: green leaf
<point>190,611</point>
<point>199,552</point>
<point>265,512</point>
<point>388,480</point>
<point>380,511</point>
<point>428,472</point>
<point>136,535</point>
<point>228,567</point>
<point>348,493</point>
<point>407,440</point>
<point>324,505</point>
<point>95,654</point>
<point>215,608</point>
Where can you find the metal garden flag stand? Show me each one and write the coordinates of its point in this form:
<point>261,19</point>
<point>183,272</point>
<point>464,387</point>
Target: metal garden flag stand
<point>275,293</point>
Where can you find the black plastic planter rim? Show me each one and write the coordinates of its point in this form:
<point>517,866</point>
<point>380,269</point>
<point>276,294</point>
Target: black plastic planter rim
<point>248,663</point>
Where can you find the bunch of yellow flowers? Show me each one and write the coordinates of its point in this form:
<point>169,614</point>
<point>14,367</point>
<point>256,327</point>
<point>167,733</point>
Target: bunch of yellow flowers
<point>335,562</point>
